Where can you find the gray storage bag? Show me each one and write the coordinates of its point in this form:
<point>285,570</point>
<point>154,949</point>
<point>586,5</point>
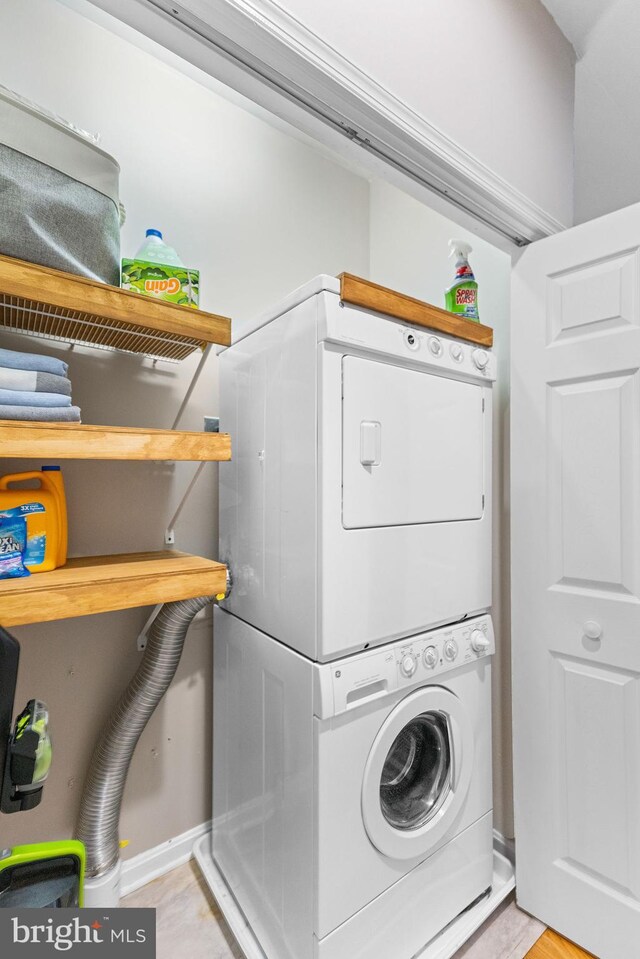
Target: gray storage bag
<point>59,201</point>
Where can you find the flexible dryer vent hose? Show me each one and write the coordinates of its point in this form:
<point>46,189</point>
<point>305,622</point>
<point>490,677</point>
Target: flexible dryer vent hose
<point>102,797</point>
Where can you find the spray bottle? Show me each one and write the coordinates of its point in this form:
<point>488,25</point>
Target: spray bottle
<point>462,296</point>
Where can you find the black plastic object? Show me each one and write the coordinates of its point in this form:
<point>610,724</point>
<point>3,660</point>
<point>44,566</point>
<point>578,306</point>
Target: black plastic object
<point>41,884</point>
<point>9,659</point>
<point>17,751</point>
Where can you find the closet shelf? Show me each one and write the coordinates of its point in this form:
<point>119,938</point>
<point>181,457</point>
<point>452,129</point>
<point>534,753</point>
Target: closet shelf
<point>74,441</point>
<point>370,296</point>
<point>99,584</point>
<point>44,302</point>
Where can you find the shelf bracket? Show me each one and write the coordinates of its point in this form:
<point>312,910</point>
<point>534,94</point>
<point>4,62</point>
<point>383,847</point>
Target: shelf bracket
<point>142,635</point>
<point>211,425</point>
<point>192,385</point>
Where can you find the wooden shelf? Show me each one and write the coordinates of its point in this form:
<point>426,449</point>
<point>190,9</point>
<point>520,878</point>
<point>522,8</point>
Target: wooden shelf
<point>99,584</point>
<point>74,441</point>
<point>45,302</point>
<point>373,297</point>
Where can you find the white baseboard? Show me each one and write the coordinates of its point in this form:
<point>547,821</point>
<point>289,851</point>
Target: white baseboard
<point>156,862</point>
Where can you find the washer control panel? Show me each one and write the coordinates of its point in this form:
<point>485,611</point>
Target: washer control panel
<point>444,649</point>
<point>351,682</point>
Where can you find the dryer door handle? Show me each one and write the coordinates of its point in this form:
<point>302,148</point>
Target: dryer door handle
<point>370,443</point>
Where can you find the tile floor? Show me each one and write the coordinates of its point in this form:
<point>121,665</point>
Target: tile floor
<point>508,934</point>
<point>190,925</point>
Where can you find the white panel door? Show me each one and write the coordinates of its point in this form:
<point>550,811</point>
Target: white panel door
<point>576,582</point>
<point>412,446</point>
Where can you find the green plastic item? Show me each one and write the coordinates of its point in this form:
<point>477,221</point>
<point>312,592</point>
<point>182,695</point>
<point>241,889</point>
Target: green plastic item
<point>45,874</point>
<point>35,717</point>
<point>461,297</point>
<point>175,284</point>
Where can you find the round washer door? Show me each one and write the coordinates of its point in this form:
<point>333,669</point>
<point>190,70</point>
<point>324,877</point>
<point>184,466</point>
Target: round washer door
<point>418,772</point>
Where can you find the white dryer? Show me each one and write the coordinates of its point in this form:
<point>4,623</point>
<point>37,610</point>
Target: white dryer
<point>357,506</point>
<point>352,811</point>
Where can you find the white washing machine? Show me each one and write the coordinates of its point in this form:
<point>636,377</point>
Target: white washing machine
<point>357,506</point>
<point>352,810</point>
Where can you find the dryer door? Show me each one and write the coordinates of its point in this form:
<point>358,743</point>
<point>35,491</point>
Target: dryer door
<point>417,774</point>
<point>412,446</point>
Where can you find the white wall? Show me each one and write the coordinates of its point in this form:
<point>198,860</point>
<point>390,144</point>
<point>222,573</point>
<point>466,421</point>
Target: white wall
<point>577,20</point>
<point>496,77</point>
<point>259,212</point>
<point>607,113</point>
<point>409,252</point>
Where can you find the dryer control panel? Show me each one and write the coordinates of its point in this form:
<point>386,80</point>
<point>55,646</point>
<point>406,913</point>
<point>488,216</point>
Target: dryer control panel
<point>446,355</point>
<point>416,661</point>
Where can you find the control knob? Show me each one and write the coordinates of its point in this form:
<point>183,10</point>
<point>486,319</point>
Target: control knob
<point>430,657</point>
<point>456,352</point>
<point>411,340</point>
<point>481,359</point>
<point>479,642</point>
<point>450,650</point>
<point>408,665</point>
<point>435,346</point>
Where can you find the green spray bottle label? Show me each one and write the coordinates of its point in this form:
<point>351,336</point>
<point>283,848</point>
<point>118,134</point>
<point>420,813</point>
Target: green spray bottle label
<point>461,297</point>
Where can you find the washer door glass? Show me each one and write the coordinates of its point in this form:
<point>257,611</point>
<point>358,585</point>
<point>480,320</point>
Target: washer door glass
<point>416,776</point>
<point>418,772</point>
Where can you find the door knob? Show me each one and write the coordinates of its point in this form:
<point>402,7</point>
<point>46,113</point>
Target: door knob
<point>592,630</point>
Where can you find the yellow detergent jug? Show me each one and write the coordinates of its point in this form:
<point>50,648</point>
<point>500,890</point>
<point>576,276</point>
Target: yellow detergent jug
<point>45,510</point>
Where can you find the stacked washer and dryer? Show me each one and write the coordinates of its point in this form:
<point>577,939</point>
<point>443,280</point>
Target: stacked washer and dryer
<point>352,805</point>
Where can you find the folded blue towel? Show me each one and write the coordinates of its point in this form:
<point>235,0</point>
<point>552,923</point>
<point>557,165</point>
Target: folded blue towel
<point>32,361</point>
<point>57,414</point>
<point>24,398</point>
<point>33,380</point>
